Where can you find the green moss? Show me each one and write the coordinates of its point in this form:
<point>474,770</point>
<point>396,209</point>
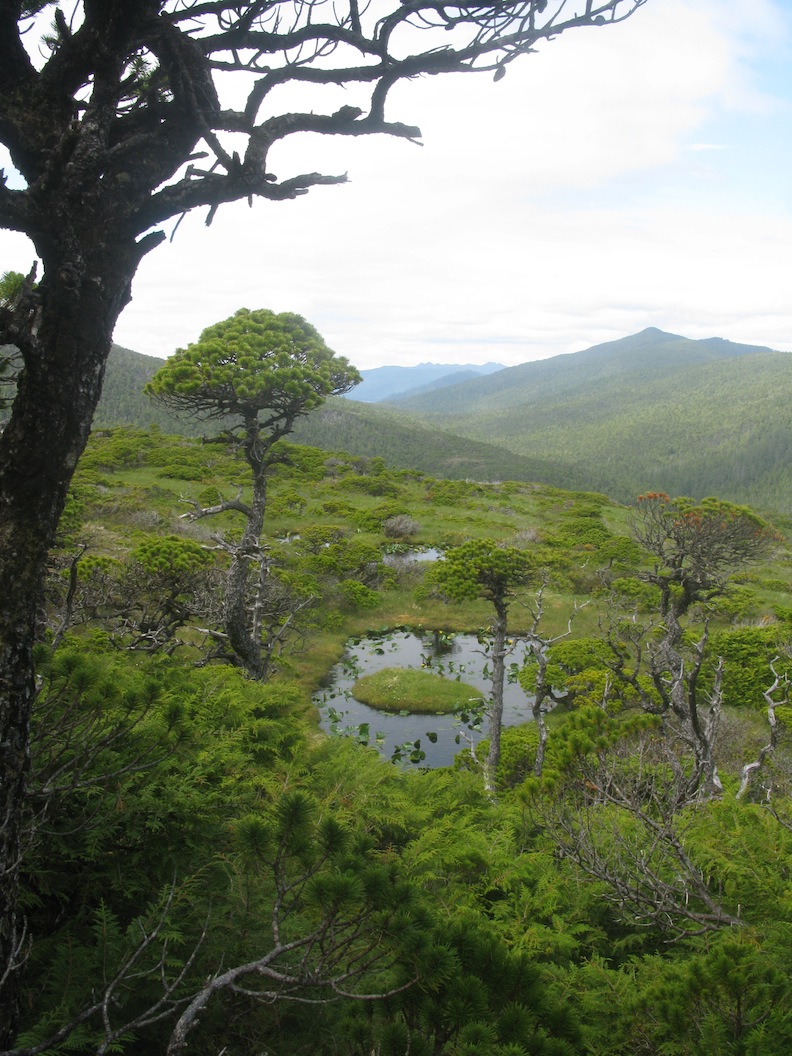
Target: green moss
<point>399,689</point>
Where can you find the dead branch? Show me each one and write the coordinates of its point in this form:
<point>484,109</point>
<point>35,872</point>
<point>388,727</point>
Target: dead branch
<point>625,824</point>
<point>750,770</point>
<point>199,511</point>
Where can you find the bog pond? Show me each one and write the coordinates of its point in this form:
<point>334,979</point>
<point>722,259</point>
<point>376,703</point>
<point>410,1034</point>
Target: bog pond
<point>461,656</point>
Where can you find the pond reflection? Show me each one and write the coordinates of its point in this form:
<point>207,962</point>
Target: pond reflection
<point>402,558</point>
<point>461,657</point>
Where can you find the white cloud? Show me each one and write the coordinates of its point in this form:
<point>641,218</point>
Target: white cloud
<point>603,185</point>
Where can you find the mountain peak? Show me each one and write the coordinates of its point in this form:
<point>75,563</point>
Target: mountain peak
<point>657,335</point>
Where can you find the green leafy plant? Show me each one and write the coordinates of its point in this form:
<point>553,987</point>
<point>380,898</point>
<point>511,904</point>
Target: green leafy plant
<point>358,595</point>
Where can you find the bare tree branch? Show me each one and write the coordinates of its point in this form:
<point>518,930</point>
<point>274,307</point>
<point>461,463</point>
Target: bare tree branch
<point>750,770</point>
<point>623,819</point>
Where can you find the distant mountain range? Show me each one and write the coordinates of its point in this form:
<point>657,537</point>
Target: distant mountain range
<point>396,383</point>
<point>654,410</point>
<point>651,411</point>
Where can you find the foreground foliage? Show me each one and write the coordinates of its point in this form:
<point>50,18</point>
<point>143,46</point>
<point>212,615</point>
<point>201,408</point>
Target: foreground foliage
<point>204,870</point>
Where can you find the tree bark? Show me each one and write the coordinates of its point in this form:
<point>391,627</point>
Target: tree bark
<point>59,386</point>
<point>496,707</point>
<point>238,621</point>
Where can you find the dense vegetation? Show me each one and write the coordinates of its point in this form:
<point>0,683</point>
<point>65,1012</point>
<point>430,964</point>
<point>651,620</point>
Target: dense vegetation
<point>344,425</point>
<point>199,854</point>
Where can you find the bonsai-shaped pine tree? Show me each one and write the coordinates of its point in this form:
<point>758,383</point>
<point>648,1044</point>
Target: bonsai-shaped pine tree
<point>261,372</point>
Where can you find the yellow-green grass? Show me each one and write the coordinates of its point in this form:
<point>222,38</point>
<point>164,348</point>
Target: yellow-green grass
<point>398,689</point>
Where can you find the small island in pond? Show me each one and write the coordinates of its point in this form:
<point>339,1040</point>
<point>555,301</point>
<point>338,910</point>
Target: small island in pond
<point>398,689</point>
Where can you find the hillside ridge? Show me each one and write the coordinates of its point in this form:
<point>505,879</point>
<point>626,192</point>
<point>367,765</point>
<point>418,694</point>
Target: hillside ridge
<point>650,352</point>
<point>652,411</point>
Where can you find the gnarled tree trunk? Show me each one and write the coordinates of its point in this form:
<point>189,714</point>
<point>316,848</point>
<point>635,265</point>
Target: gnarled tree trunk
<point>240,624</point>
<point>66,347</point>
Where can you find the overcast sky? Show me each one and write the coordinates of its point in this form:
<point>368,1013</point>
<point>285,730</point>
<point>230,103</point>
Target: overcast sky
<point>623,177</point>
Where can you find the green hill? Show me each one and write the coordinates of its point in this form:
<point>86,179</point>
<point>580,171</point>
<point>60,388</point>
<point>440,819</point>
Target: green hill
<point>598,378</point>
<point>651,411</point>
<point>340,425</point>
<point>364,429</point>
<point>395,382</point>
<point>123,401</point>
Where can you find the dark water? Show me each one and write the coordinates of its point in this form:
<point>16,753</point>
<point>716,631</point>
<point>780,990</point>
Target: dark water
<point>460,657</point>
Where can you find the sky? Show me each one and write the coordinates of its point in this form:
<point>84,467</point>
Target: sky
<point>622,177</point>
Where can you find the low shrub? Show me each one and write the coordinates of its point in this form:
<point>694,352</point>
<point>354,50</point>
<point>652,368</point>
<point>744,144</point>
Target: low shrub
<point>358,595</point>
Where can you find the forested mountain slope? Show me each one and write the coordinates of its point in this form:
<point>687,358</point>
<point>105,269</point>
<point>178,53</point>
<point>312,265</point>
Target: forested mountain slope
<point>650,411</point>
<point>361,429</point>
<point>123,401</point>
<point>456,378</point>
<point>597,378</point>
<point>357,428</point>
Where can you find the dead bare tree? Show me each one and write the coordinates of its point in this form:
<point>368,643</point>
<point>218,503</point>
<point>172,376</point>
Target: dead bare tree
<point>623,816</point>
<point>751,770</point>
<point>668,679</point>
<point>693,551</point>
<point>535,678</point>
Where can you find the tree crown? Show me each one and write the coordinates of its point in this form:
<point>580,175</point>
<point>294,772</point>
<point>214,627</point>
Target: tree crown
<point>697,546</point>
<point>480,568</point>
<point>255,362</point>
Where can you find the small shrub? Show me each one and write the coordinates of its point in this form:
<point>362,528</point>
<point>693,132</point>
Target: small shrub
<point>210,496</point>
<point>118,449</point>
<point>738,604</point>
<point>518,753</point>
<point>747,654</point>
<point>286,503</point>
<point>171,556</point>
<point>370,485</point>
<point>450,492</point>
<point>372,520</point>
<point>358,595</point>
<point>338,508</point>
<point>644,595</point>
<point>314,538</point>
<point>580,532</point>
